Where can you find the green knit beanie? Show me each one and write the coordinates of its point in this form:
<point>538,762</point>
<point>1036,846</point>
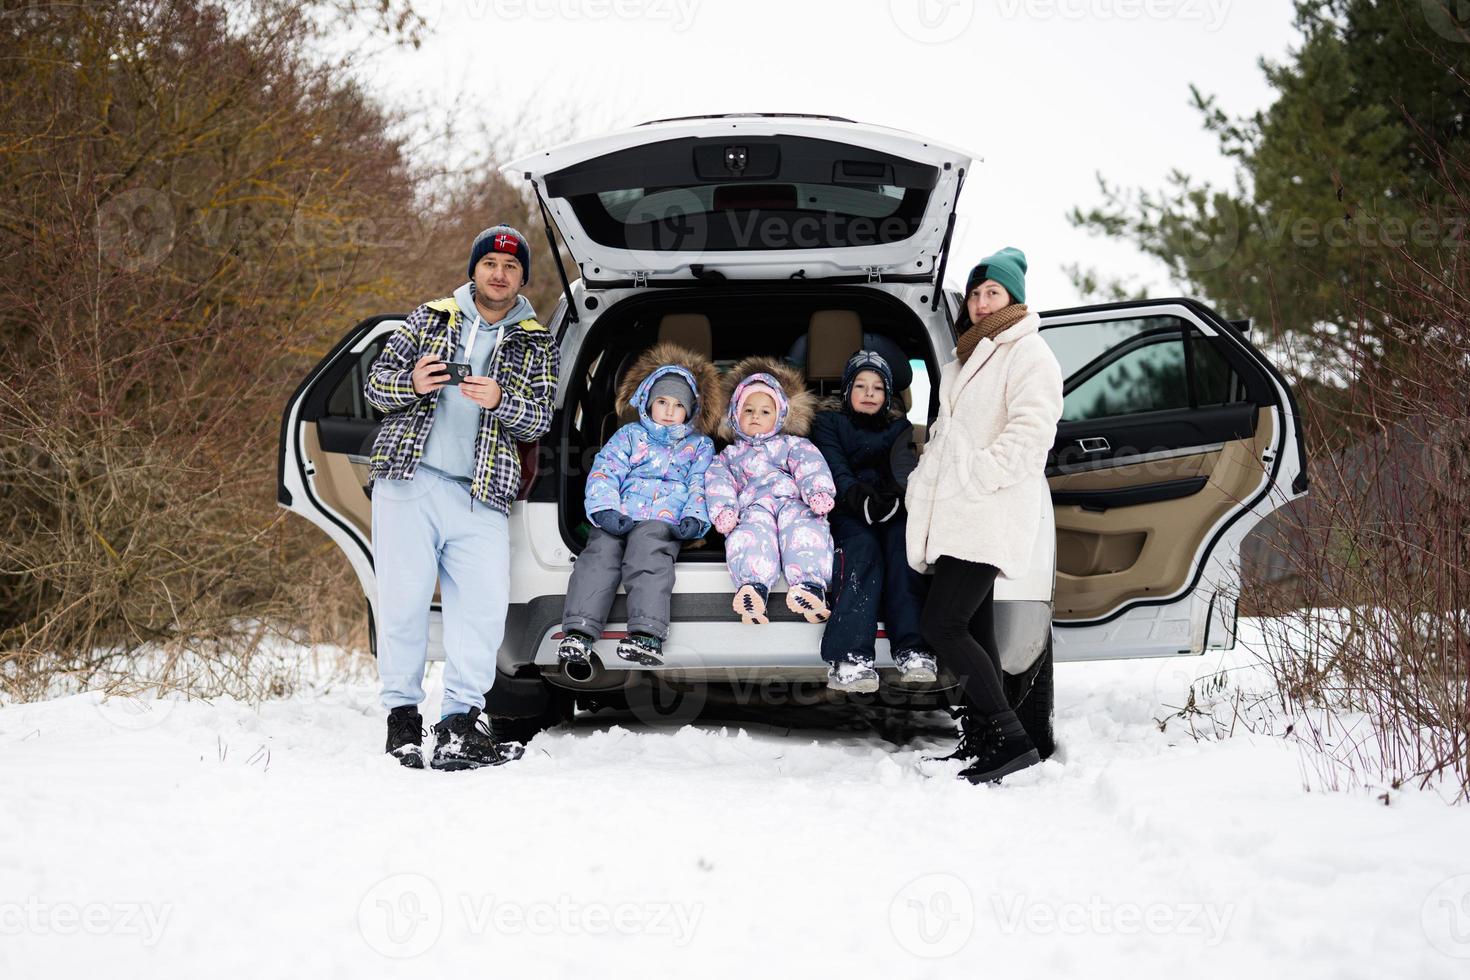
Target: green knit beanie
<point>1007,267</point>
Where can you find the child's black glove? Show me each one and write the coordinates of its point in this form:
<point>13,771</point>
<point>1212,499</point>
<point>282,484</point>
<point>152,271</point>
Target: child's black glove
<point>873,506</point>
<point>856,496</point>
<point>882,507</point>
<point>613,521</point>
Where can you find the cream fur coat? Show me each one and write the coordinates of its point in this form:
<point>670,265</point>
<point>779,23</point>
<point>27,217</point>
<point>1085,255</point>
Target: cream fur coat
<point>980,487</point>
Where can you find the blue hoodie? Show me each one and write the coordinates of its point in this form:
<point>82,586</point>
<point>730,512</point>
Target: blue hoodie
<point>451,447</point>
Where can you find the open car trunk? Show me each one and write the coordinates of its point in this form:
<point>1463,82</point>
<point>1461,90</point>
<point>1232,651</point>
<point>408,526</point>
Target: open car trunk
<point>752,197</point>
<point>815,329</point>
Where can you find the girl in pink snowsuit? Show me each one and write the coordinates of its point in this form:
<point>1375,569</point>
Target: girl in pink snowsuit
<point>768,491</point>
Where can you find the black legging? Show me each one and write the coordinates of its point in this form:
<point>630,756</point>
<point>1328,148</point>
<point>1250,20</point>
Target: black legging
<point>959,623</point>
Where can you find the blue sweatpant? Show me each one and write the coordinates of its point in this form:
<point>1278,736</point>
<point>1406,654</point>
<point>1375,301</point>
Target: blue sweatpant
<point>425,531</point>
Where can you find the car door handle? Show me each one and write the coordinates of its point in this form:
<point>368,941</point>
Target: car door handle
<point>1094,444</point>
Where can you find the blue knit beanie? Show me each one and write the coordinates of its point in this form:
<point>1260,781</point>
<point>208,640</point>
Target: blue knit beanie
<point>502,238</point>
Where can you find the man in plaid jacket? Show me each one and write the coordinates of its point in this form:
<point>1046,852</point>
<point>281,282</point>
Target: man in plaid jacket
<point>445,471</point>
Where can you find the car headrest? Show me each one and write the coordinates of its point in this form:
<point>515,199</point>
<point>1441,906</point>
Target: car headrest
<point>691,330</point>
<point>832,337</point>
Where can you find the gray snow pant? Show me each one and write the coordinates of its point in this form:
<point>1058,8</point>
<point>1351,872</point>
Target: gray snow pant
<point>643,562</point>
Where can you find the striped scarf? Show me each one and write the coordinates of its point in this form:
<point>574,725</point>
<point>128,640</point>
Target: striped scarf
<point>1006,316</point>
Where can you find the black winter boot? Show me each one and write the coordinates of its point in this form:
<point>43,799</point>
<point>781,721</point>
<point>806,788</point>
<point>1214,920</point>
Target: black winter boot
<point>642,648</point>
<point>459,743</point>
<point>405,736</point>
<point>972,737</point>
<point>574,653</point>
<point>1006,748</point>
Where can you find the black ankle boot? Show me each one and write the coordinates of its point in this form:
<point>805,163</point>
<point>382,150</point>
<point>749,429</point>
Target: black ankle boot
<point>1005,748</point>
<point>459,743</point>
<point>972,735</point>
<point>405,736</point>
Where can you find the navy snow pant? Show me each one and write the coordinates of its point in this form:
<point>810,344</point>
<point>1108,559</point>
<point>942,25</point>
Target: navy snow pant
<point>871,572</point>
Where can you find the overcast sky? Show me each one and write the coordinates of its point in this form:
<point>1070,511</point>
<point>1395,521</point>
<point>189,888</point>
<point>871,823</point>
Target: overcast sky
<point>1048,92</point>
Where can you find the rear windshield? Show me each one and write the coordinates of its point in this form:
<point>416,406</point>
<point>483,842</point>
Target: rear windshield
<point>746,195</point>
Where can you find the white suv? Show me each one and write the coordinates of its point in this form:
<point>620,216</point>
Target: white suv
<point>809,237</point>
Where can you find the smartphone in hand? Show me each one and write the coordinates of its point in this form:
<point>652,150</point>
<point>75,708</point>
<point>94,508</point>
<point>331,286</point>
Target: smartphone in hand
<point>458,371</point>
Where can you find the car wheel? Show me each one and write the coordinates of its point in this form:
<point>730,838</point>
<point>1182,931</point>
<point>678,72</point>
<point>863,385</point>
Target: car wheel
<point>560,706</point>
<point>1036,707</point>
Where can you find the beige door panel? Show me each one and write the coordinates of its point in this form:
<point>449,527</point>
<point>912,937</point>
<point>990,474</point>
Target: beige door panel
<point>1136,474</point>
<point>339,481</point>
<point>1105,559</point>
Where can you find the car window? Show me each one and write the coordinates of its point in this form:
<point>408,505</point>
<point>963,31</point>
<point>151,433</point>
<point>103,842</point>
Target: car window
<point>347,399</point>
<point>919,392</point>
<point>1142,364</point>
<point>788,193</point>
<point>1147,378</point>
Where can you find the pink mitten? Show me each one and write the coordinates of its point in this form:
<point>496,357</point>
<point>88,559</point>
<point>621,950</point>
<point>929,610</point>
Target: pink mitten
<point>725,521</point>
<point>821,503</point>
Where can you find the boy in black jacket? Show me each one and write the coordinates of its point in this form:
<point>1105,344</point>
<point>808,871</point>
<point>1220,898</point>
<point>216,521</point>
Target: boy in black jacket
<point>868,445</point>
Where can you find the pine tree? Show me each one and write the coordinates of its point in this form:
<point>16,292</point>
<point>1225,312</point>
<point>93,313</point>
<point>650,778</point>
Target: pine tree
<point>1340,179</point>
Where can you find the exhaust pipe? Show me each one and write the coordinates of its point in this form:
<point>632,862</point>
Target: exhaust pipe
<point>586,673</point>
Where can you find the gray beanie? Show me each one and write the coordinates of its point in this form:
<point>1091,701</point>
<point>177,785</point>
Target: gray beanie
<point>672,385</point>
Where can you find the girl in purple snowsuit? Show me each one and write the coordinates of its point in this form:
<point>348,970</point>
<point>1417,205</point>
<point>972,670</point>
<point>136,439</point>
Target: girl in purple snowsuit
<point>768,491</point>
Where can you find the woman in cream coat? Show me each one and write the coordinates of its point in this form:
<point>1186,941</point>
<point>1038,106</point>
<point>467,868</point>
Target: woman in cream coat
<point>975,502</point>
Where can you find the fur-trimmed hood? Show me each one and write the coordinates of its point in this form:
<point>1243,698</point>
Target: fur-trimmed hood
<point>795,406</point>
<point>702,375</point>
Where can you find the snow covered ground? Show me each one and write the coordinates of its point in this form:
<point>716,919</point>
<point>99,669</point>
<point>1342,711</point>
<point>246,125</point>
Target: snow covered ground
<point>185,839</point>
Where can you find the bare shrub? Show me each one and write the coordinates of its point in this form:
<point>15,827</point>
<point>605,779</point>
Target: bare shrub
<point>1372,570</point>
<point>194,207</point>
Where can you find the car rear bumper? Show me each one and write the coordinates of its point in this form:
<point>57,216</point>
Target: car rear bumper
<point>706,641</point>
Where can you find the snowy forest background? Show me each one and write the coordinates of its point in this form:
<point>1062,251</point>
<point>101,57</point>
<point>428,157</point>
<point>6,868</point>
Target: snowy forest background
<point>198,197</point>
